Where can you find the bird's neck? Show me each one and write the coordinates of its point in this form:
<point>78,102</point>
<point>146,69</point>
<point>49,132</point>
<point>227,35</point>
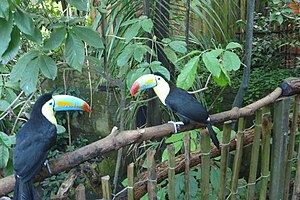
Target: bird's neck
<point>49,114</point>
<point>162,92</point>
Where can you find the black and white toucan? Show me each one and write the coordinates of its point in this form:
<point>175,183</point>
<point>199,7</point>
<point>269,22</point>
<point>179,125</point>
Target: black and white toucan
<point>177,100</point>
<point>36,137</point>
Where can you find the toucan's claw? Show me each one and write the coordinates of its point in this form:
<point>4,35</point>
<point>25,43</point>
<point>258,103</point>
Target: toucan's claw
<point>48,167</point>
<point>176,125</point>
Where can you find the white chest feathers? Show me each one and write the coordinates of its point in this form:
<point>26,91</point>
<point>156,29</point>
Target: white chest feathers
<point>162,90</point>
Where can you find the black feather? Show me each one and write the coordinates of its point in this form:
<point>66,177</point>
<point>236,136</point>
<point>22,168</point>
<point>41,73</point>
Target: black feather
<point>32,144</point>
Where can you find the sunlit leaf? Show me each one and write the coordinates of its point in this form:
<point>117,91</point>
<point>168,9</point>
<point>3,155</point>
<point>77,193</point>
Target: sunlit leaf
<point>55,40</point>
<point>222,80</point>
<point>88,35</point>
<point>30,77</point>
<point>233,45</point>
<point>170,54</point>
<point>4,152</point>
<point>19,68</point>
<point>3,105</point>
<point>211,63</point>
<point>74,51</point>
<point>231,61</point>
<point>79,4</point>
<point>147,25</point>
<point>178,46</point>
<point>13,46</point>
<point>139,52</point>
<point>124,57</point>
<point>4,9</point>
<point>187,75</point>
<point>7,140</point>
<point>24,22</point>
<point>132,31</point>
<point>47,66</point>
<point>5,33</point>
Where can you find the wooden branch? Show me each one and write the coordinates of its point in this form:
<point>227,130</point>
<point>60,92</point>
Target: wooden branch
<point>115,141</point>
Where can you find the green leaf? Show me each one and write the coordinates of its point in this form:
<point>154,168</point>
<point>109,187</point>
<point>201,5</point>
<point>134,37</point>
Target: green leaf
<point>74,51</point>
<point>222,80</point>
<point>139,52</point>
<point>215,178</point>
<point>55,40</point>
<point>60,129</point>
<point>47,66</point>
<point>170,54</point>
<point>233,45</point>
<point>4,152</point>
<point>187,75</point>
<point>131,21</point>
<point>211,63</point>
<point>161,70</point>
<point>88,35</point>
<point>231,61</point>
<point>30,77</point>
<point>217,52</point>
<point>5,33</point>
<point>7,140</point>
<point>132,31</point>
<point>3,105</point>
<point>79,4</point>
<point>24,22</point>
<point>4,9</point>
<point>178,46</point>
<point>124,57</point>
<point>147,25</point>
<point>177,146</point>
<point>36,36</point>
<point>175,138</point>
<point>18,70</point>
<point>13,46</point>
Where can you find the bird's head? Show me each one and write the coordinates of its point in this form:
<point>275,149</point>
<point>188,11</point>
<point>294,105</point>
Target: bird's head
<point>56,103</point>
<point>156,81</point>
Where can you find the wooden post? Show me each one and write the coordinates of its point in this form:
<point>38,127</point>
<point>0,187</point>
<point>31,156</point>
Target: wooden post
<point>254,154</point>
<point>296,189</point>
<point>205,168</point>
<point>279,147</point>
<point>224,156</point>
<point>291,147</point>
<point>265,153</point>
<point>106,188</point>
<point>80,192</point>
<point>152,176</point>
<point>130,177</point>
<point>237,158</point>
<point>187,165</point>
<point>171,174</point>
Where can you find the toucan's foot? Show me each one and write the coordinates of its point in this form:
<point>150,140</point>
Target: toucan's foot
<point>48,167</point>
<point>176,125</point>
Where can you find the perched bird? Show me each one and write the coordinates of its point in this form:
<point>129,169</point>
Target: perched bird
<point>36,137</point>
<point>177,100</point>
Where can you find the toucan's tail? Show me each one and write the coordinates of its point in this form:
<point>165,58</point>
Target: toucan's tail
<point>24,190</point>
<point>213,135</point>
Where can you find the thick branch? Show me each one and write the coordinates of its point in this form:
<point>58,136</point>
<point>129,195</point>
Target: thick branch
<point>124,138</point>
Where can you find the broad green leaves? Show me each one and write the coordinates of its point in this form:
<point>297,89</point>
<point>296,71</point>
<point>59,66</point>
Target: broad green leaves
<point>6,142</point>
<point>79,4</point>
<point>219,62</point>
<point>135,25</point>
<point>27,70</point>
<point>4,9</point>
<point>88,35</point>
<point>187,76</point>
<point>74,51</point>
<point>5,32</point>
<point>13,46</point>
<point>55,40</point>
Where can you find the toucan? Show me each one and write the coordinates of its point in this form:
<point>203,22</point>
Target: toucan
<point>177,100</point>
<point>36,137</point>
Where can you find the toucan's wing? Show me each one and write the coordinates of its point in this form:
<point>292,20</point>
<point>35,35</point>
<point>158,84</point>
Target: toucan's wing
<point>31,153</point>
<point>182,103</point>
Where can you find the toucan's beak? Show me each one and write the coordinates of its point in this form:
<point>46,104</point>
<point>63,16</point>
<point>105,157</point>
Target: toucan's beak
<point>143,83</point>
<point>67,102</point>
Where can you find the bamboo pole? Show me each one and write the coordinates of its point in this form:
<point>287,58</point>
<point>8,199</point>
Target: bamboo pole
<point>80,192</point>
<point>279,150</point>
<point>291,147</point>
<point>187,165</point>
<point>237,158</point>
<point>171,174</point>
<point>265,153</point>
<point>224,157</point>
<point>205,168</point>
<point>152,178</point>
<point>254,154</point>
<point>106,187</point>
<point>130,177</point>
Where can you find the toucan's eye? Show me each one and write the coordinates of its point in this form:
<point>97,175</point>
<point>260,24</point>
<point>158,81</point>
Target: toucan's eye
<point>158,78</point>
<point>50,103</point>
